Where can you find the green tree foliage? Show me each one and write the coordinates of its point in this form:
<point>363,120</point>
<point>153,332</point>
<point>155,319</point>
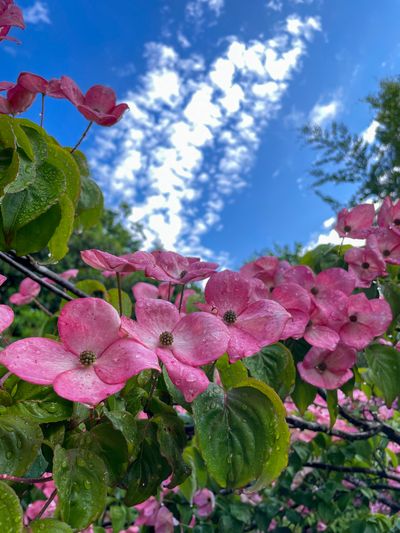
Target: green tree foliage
<point>348,158</point>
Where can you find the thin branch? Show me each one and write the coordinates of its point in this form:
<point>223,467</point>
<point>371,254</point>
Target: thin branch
<point>379,497</point>
<point>82,137</point>
<point>352,470</point>
<point>11,261</point>
<point>30,263</point>
<point>45,506</point>
<point>28,480</point>
<point>42,307</point>
<point>299,423</point>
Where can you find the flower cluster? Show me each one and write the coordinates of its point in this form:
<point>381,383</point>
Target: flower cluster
<point>10,15</point>
<point>97,105</point>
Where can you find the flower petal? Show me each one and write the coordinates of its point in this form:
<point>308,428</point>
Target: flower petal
<point>6,317</point>
<point>123,359</point>
<point>190,381</point>
<point>84,386</point>
<point>264,320</point>
<point>199,339</point>
<point>37,360</point>
<point>88,324</point>
<point>321,336</point>
<point>156,316</point>
<point>228,291</point>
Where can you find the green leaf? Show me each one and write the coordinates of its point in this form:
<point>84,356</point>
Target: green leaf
<point>38,403</point>
<point>58,243</point>
<point>119,517</point>
<point>149,469</point>
<point>384,370</point>
<point>231,374</point>
<point>81,480</point>
<point>112,298</point>
<point>90,206</point>
<point>333,406</point>
<point>274,366</point>
<point>171,437</point>
<point>49,525</point>
<point>10,510</point>
<point>391,292</point>
<point>20,443</point>
<point>303,394</point>
<point>242,433</point>
<point>125,422</point>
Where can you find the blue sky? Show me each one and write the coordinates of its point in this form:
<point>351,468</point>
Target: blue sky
<point>209,156</point>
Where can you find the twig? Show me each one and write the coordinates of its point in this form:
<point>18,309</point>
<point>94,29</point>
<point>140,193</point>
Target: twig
<point>29,480</point>
<point>42,307</point>
<point>353,470</point>
<point>82,137</point>
<point>45,506</point>
<point>313,426</point>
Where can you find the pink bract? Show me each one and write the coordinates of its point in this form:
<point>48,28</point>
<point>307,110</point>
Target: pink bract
<point>113,263</point>
<point>365,320</point>
<point>297,302</point>
<point>389,215</point>
<point>328,369</point>
<point>28,290</point>
<point>357,222</point>
<point>268,269</point>
<point>388,243</point>
<point>17,101</point>
<point>204,500</point>
<point>36,84</point>
<point>170,266</point>
<point>251,324</point>
<point>97,105</point>
<point>182,343</point>
<point>6,317</point>
<point>10,15</point>
<point>90,363</point>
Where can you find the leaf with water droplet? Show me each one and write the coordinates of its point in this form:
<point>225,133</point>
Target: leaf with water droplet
<point>10,510</point>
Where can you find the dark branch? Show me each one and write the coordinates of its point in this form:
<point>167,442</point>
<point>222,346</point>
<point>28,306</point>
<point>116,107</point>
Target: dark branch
<point>313,426</point>
<point>353,470</point>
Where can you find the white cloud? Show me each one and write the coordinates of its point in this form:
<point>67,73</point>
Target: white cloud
<point>37,13</point>
<point>195,8</point>
<point>193,131</point>
<point>368,135</point>
<point>275,5</point>
<point>322,113</point>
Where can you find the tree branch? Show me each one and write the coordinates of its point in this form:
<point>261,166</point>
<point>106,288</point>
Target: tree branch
<point>353,470</point>
<point>299,423</point>
<point>28,480</point>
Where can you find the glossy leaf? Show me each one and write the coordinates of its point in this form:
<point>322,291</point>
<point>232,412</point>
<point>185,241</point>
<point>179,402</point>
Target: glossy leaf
<point>20,443</point>
<point>112,298</point>
<point>384,370</point>
<point>81,480</point>
<point>231,374</point>
<point>10,510</point>
<point>49,525</point>
<point>303,394</point>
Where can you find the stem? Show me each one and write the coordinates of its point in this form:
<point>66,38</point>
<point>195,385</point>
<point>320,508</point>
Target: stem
<point>169,291</point>
<point>42,112</point>
<point>118,276</point>
<point>341,244</point>
<point>48,502</point>
<point>29,480</point>
<point>353,470</point>
<point>180,303</point>
<point>42,307</point>
<point>3,379</point>
<point>82,136</point>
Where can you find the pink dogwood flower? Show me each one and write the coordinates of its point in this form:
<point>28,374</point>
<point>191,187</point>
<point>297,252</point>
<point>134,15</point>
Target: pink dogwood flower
<point>147,512</point>
<point>27,292</point>
<point>97,105</point>
<point>117,264</point>
<point>10,15</point>
<point>147,290</point>
<point>6,313</point>
<point>173,267</point>
<point>90,363</point>
<point>389,215</point>
<point>328,369</point>
<point>388,243</point>
<point>67,275</point>
<point>365,319</point>
<point>251,324</point>
<point>356,223</point>
<point>297,302</point>
<point>182,343</point>
<point>268,269</point>
<point>36,84</point>
<point>366,263</point>
<point>18,99</point>
<point>204,500</point>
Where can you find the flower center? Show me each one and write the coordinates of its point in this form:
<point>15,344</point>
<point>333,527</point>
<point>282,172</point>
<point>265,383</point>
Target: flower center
<point>314,291</point>
<point>347,229</point>
<point>183,274</point>
<point>87,358</point>
<point>353,318</point>
<point>365,265</point>
<point>166,338</point>
<point>396,221</point>
<point>386,253</point>
<point>321,367</point>
<point>229,317</point>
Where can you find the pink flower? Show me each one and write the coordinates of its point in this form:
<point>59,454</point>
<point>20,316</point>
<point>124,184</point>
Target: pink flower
<point>366,263</point>
<point>388,243</point>
<point>97,105</point>
<point>10,15</point>
<point>170,266</point>
<point>113,263</point>
<point>268,269</point>
<point>389,215</point>
<point>355,223</point>
<point>251,325</point>
<point>17,101</point>
<point>181,343</point>
<point>204,499</point>
<point>365,319</point>
<point>90,363</point>
<point>147,512</point>
<point>165,521</point>
<point>36,84</point>
<point>34,509</point>
<point>326,369</point>
<point>28,290</point>
<point>6,313</point>
<point>67,275</point>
